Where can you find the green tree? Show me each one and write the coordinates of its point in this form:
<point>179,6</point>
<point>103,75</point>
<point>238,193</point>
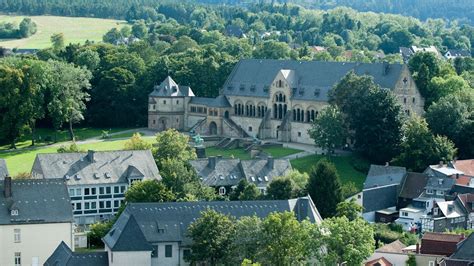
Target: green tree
<point>347,241</point>
<point>68,149</point>
<point>280,188</point>
<point>324,187</point>
<point>89,59</point>
<point>250,192</point>
<point>247,242</point>
<point>424,66</point>
<point>420,148</point>
<point>443,86</point>
<point>137,143</point>
<point>97,231</point>
<point>148,191</point>
<point>284,239</point>
<point>372,113</point>
<point>67,89</point>
<point>112,36</point>
<point>349,209</point>
<point>299,180</point>
<point>57,40</point>
<point>328,130</point>
<point>176,174</point>
<point>27,28</point>
<point>212,236</point>
<point>272,50</point>
<point>171,144</point>
<point>411,260</point>
<point>139,29</point>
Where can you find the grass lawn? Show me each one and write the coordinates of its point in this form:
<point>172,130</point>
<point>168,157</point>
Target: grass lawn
<point>62,135</point>
<point>125,135</point>
<point>343,164</point>
<point>20,161</point>
<point>276,152</point>
<point>75,30</point>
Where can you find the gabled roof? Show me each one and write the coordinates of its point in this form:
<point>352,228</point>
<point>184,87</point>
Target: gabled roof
<point>169,88</point>
<point>394,247</point>
<point>444,184</point>
<point>382,261</point>
<point>444,170</point>
<point>458,53</point>
<point>64,256</point>
<point>439,243</point>
<point>228,172</point>
<point>219,102</point>
<point>442,237</point>
<point>382,175</point>
<point>413,185</point>
<point>465,250</point>
<point>379,198</point>
<point>3,169</point>
<point>97,167</point>
<point>37,202</point>
<point>465,166</point>
<point>468,201</point>
<point>252,77</point>
<point>451,209</point>
<point>168,221</point>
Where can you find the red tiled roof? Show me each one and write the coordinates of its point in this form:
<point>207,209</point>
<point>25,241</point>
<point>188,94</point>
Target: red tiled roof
<point>442,237</point>
<point>382,261</point>
<point>462,180</point>
<point>467,166</point>
<point>467,198</point>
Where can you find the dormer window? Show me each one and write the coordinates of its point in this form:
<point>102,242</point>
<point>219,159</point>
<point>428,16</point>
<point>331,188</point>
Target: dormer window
<point>429,191</point>
<point>222,191</point>
<point>317,92</point>
<point>14,212</point>
<point>242,87</point>
<point>280,83</point>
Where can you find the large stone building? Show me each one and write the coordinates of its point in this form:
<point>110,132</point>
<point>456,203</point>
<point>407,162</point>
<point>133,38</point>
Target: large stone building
<point>270,99</point>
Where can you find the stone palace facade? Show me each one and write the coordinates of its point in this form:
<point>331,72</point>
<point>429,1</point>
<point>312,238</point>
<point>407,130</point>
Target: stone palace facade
<point>270,99</point>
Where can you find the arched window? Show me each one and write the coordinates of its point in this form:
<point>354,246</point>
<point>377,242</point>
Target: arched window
<point>280,97</point>
<point>313,115</point>
<point>294,115</point>
<point>280,111</point>
<point>284,98</point>
<point>308,116</point>
<point>235,109</point>
<point>275,111</point>
<point>298,114</point>
<point>302,115</point>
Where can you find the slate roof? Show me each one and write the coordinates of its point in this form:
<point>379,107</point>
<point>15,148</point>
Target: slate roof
<point>413,185</point>
<point>313,79</point>
<point>37,201</point>
<point>169,88</point>
<point>127,236</point>
<point>3,169</point>
<point>455,211</point>
<point>444,184</point>
<point>64,256</point>
<point>381,175</point>
<point>379,198</point>
<point>106,166</point>
<point>168,222</point>
<point>458,53</point>
<point>465,250</point>
<point>468,201</point>
<point>219,102</point>
<point>441,171</point>
<point>394,247</point>
<point>228,172</point>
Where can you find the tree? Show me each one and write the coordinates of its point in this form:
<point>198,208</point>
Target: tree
<point>424,66</point>
<point>443,86</point>
<point>272,50</point>
<point>250,192</point>
<point>246,243</point>
<point>97,231</point>
<point>171,144</point>
<point>347,241</point>
<point>67,89</point>
<point>139,29</point>
<point>328,130</point>
<point>176,174</point>
<point>324,188</point>
<point>112,36</point>
<point>57,41</point>
<point>27,28</point>
<point>89,59</point>
<point>349,209</point>
<point>212,236</point>
<point>284,239</point>
<point>299,180</point>
<point>68,149</point>
<point>148,191</point>
<point>372,113</point>
<point>411,260</point>
<point>280,188</point>
<point>137,143</point>
<point>420,148</point>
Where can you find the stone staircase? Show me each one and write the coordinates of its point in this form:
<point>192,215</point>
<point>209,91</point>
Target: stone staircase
<point>234,125</point>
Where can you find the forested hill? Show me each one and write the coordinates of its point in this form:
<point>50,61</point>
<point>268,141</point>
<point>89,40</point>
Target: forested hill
<point>462,10</point>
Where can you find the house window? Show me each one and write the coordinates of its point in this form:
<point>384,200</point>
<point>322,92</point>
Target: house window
<point>116,189</point>
<point>116,204</point>
<point>101,190</point>
<point>122,189</point>
<point>164,102</point>
<point>93,205</point>
<point>429,191</point>
<point>299,134</point>
<point>404,100</point>
<point>87,191</point>
<point>17,258</point>
<point>101,204</point>
<point>93,191</point>
<point>435,211</point>
<point>440,192</point>
<point>154,253</point>
<point>154,107</point>
<point>108,190</point>
<point>250,129</point>
<point>108,204</point>
<point>404,213</point>
<point>154,122</point>
<point>414,100</point>
<point>72,192</point>
<point>78,192</point>
<point>17,236</point>
<point>177,101</point>
<point>431,263</point>
<point>168,251</point>
<point>78,206</point>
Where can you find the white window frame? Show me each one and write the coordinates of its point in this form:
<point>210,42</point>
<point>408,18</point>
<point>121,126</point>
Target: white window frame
<point>17,235</point>
<point>222,191</point>
<point>17,259</point>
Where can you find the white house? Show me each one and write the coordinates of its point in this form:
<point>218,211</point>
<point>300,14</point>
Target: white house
<point>35,216</point>
<point>96,181</point>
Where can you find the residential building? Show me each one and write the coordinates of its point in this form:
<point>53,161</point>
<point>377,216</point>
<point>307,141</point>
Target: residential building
<point>439,243</point>
<point>464,254</point>
<point>412,187</point>
<point>465,166</point>
<point>271,99</point>
<point>397,253</point>
<point>454,53</point>
<point>96,181</point>
<point>408,52</point>
<point>467,201</point>
<point>442,170</point>
<point>35,216</point>
<point>64,256</point>
<point>381,189</point>
<point>3,169</point>
<point>225,174</point>
<point>155,233</point>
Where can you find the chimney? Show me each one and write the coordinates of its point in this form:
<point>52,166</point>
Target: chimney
<point>463,236</point>
<point>90,156</point>
<point>440,164</point>
<point>417,248</point>
<point>387,164</point>
<point>7,187</point>
<point>270,162</point>
<point>211,162</point>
